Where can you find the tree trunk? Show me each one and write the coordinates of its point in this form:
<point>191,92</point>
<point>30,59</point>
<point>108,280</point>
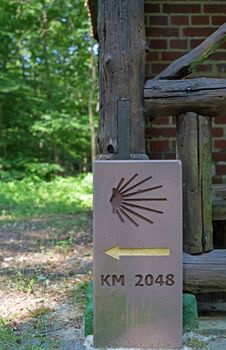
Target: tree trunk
<point>194,150</point>
<point>90,104</point>
<point>122,62</point>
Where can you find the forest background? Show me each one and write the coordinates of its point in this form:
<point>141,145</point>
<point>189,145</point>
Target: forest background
<point>48,119</point>
<point>48,89</point>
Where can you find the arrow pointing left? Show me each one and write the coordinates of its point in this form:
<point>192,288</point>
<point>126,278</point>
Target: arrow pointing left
<point>115,252</point>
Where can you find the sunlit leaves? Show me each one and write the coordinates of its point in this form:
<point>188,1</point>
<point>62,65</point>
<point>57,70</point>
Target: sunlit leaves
<point>45,81</point>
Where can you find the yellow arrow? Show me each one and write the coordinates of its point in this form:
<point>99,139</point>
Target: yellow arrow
<point>115,252</point>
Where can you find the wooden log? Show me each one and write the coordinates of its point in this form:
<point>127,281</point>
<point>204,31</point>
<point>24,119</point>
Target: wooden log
<point>219,209</point>
<point>219,202</point>
<point>193,138</point>
<point>187,63</point>
<point>204,96</point>
<point>122,62</point>
<point>205,273</point>
<point>187,152</point>
<point>205,158</point>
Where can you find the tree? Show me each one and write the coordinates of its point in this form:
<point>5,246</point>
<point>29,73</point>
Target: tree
<point>46,93</point>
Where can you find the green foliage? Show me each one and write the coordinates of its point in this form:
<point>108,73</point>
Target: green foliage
<point>8,340</point>
<point>34,197</point>
<point>24,284</point>
<point>45,81</point>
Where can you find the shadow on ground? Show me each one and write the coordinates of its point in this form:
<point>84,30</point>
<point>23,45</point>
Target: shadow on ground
<point>45,265</point>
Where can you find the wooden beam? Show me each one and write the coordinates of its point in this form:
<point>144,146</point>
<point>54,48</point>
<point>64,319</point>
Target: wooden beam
<point>203,96</point>
<point>187,63</point>
<point>122,62</point>
<point>219,202</point>
<point>193,149</point>
<point>205,273</point>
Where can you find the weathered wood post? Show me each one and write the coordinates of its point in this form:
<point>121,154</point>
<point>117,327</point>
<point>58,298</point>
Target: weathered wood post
<point>204,97</point>
<point>122,63</point>
<point>194,150</point>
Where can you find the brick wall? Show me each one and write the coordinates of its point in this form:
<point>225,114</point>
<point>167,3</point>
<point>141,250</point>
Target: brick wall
<point>173,28</point>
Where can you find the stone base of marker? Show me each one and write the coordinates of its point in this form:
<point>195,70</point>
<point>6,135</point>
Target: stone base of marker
<point>190,312</point>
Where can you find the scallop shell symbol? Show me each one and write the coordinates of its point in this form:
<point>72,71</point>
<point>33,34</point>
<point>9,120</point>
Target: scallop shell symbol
<point>125,200</point>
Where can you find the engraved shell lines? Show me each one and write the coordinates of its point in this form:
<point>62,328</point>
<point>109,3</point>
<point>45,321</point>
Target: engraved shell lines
<point>125,203</point>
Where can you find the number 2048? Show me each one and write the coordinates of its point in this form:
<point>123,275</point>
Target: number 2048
<point>150,280</point>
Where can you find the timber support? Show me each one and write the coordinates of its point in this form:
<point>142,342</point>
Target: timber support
<point>194,150</point>
<point>193,102</point>
<point>122,63</point>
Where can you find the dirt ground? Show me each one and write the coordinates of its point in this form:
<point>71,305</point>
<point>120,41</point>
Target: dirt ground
<point>45,266</point>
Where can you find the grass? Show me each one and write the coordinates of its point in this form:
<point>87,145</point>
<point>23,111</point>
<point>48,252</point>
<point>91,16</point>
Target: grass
<point>57,214</point>
<point>31,197</point>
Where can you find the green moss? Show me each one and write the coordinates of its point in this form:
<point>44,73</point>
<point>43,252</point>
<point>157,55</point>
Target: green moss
<point>190,312</point>
<point>204,57</point>
<point>89,310</point>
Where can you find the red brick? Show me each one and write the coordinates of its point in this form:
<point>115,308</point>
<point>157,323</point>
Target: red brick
<point>161,32</point>
<point>197,31</point>
<point>170,56</point>
<point>221,68</point>
<point>179,20</point>
<point>156,155</point>
<point>220,144</point>
<point>165,132</point>
<point>181,8</point>
<point>152,56</point>
<point>218,20</point>
<point>223,46</point>
<point>151,8</point>
<point>169,155</point>
<point>161,121</point>
<point>219,156</point>
<point>200,20</point>
<point>221,169</point>
<point>217,180</point>
<point>174,120</point>
<point>216,8</point>
<point>220,120</point>
<point>159,145</point>
<point>148,74</point>
<point>195,42</point>
<point>204,68</point>
<point>219,56</point>
<point>217,132</point>
<point>157,68</point>
<point>158,44</point>
<point>178,44</point>
<point>158,20</point>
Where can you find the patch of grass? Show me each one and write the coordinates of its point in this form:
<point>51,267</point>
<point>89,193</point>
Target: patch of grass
<point>41,311</point>
<point>22,283</point>
<point>80,292</point>
<point>64,246</point>
<point>195,343</point>
<point>30,197</point>
<point>29,340</point>
<point>8,339</point>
